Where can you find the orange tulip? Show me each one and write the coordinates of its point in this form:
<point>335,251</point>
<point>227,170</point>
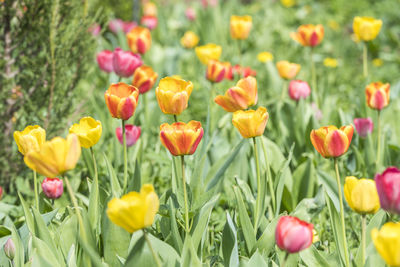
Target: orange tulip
<point>330,141</point>
<point>287,70</point>
<point>189,39</point>
<point>309,35</point>
<point>121,100</point>
<point>216,71</point>
<point>377,95</point>
<point>144,78</point>
<point>239,97</point>
<point>250,123</point>
<point>240,27</point>
<point>173,95</point>
<point>181,138</point>
<point>139,39</point>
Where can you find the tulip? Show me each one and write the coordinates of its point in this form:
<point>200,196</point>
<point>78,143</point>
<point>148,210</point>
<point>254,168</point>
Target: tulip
<point>211,3</point>
<point>240,27</point>
<point>239,97</point>
<point>190,13</point>
<point>121,100</point>
<point>364,126</point>
<point>228,70</point>
<point>135,210</point>
<point>150,9</point>
<point>139,40</point>
<point>387,242</point>
<point>132,134</point>
<point>207,52</point>
<point>366,28</point>
<point>287,70</point>
<point>361,195</point>
<point>127,26</point>
<point>293,235</point>
<point>317,112</point>
<point>125,63</point>
<point>1,192</point>
<point>299,89</point>
<point>330,141</point>
<point>173,95</point>
<point>88,131</point>
<point>330,62</point>
<point>243,71</point>
<point>9,249</point>
<point>181,138</point>
<point>144,78</point>
<point>149,21</point>
<point>309,35</point>
<point>116,25</point>
<point>105,60</point>
<point>288,3</point>
<point>189,39</point>
<point>53,188</point>
<point>377,62</point>
<point>30,139</point>
<point>215,71</point>
<point>388,184</point>
<point>250,123</point>
<point>377,95</point>
<point>55,156</point>
<point>265,57</point>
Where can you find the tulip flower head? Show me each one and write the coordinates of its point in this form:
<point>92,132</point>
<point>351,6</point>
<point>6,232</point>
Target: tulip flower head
<point>132,134</point>
<point>240,27</point>
<point>243,71</point>
<point>189,39</point>
<point>330,62</point>
<point>309,35</point>
<point>293,235</point>
<point>250,123</point>
<point>173,95</point>
<point>364,126</point>
<point>332,142</point>
<point>288,3</point>
<point>216,71</point>
<point>361,195</point>
<point>287,70</point>
<point>105,60</point>
<point>265,57</point>
<point>149,22</point>
<point>228,70</point>
<point>239,97</point>
<point>30,139</point>
<point>53,188</point>
<point>127,26</point>
<point>207,52</point>
<point>121,100</point>
<point>1,192</point>
<point>181,138</point>
<point>366,28</point>
<point>139,40</point>
<point>135,210</point>
<point>150,9</point>
<point>377,95</point>
<point>125,62</point>
<point>144,78</point>
<point>387,242</point>
<point>116,25</point>
<point>299,89</point>
<point>88,131</point>
<point>190,13</point>
<point>388,184</point>
<point>9,249</point>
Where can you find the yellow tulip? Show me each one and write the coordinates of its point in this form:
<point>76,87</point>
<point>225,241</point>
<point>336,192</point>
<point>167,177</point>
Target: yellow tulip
<point>361,195</point>
<point>88,131</point>
<point>134,211</point>
<point>287,70</point>
<point>387,242</point>
<point>377,62</point>
<point>366,28</point>
<point>265,57</point>
<point>55,156</point>
<point>189,39</point>
<point>208,52</point>
<point>250,123</point>
<point>330,62</point>
<point>240,27</point>
<point>30,139</point>
<point>288,3</point>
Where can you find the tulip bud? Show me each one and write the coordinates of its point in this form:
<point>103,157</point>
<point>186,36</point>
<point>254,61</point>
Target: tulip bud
<point>9,249</point>
<point>121,100</point>
<point>125,62</point>
<point>366,28</point>
<point>309,35</point>
<point>377,95</point>
<point>150,9</point>
<point>293,235</point>
<point>190,13</point>
<point>132,134</point>
<point>287,70</point>
<point>330,141</point>
<point>105,60</point>
<point>364,126</point>
<point>299,89</point>
<point>215,71</point>
<point>189,39</point>
<point>139,40</point>
<point>243,72</point>
<point>250,123</point>
<point>388,184</point>
<point>149,22</point>
<point>228,70</point>
<point>240,27</point>
<point>53,188</point>
<point>361,195</point>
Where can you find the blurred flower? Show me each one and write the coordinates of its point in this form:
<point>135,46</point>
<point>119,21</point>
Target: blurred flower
<point>265,57</point>
<point>134,211</point>
<point>121,100</point>
<point>55,156</point>
<point>173,95</point>
<point>228,70</point>
<point>125,62</point>
<point>361,195</point>
<point>94,29</point>
<point>127,26</point>
<point>293,235</point>
<point>299,89</point>
<point>105,60</point>
<point>139,39</point>
<point>377,95</point>
<point>53,188</point>
<point>239,97</point>
<point>215,71</point>
<point>364,126</point>
<point>309,35</point>
<point>211,3</point>
<point>387,242</point>
<point>366,28</point>
<point>1,192</point>
<point>207,52</point>
<point>250,123</point>
<point>30,139</point>
<point>317,111</point>
<point>9,249</point>
<point>116,25</point>
<point>190,13</point>
<point>189,39</point>
<point>333,25</point>
<point>132,134</point>
<point>330,141</point>
<point>243,71</point>
<point>288,3</point>
<point>149,22</point>
<point>388,184</point>
<point>88,131</point>
<point>330,62</point>
<point>315,236</point>
<point>287,70</point>
<point>377,62</point>
<point>150,9</point>
<point>144,78</point>
<point>240,27</point>
<point>181,138</point>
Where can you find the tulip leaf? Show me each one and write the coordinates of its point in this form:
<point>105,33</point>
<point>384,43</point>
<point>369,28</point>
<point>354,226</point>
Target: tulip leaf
<point>43,255</point>
<point>256,260</point>
<point>19,258</point>
<point>189,256</point>
<point>115,186</point>
<point>330,187</point>
<point>266,242</point>
<point>313,257</point>
<point>93,255</point>
<point>229,243</point>
<point>94,206</point>
<point>28,215</point>
<point>304,181</point>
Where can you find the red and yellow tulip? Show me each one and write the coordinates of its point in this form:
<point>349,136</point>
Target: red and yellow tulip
<point>309,35</point>
<point>121,100</point>
<point>144,78</point>
<point>287,70</point>
<point>216,71</point>
<point>139,39</point>
<point>330,141</point>
<point>377,95</point>
<point>250,123</point>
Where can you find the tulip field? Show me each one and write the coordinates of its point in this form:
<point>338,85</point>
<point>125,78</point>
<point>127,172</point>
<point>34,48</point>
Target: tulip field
<point>200,133</point>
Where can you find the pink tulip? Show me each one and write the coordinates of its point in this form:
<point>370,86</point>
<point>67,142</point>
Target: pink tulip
<point>299,89</point>
<point>364,126</point>
<point>388,187</point>
<point>149,22</point>
<point>1,192</point>
<point>132,133</point>
<point>125,62</point>
<point>128,26</point>
<point>211,3</point>
<point>190,13</point>
<point>53,188</point>
<point>317,111</point>
<point>105,60</point>
<point>95,29</point>
<point>292,234</point>
<point>116,25</point>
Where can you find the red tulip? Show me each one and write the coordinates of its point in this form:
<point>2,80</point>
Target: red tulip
<point>292,234</point>
<point>149,22</point>
<point>299,89</point>
<point>125,62</point>
<point>190,13</point>
<point>132,134</point>
<point>364,126</point>
<point>388,185</point>
<point>105,60</point>
<point>53,188</point>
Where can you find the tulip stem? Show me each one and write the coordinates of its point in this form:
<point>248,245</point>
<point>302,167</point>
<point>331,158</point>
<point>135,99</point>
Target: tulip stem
<point>363,234</point>
<point>365,59</point>
<point>175,118</point>
<point>125,156</point>
<point>269,177</point>
<point>185,195</point>
<point>258,200</point>
<point>155,256</point>
<point>378,149</point>
<point>96,177</point>
<point>285,259</point>
<point>314,77</point>
<point>35,186</point>
<point>346,252</point>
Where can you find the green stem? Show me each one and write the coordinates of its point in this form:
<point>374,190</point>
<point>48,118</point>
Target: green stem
<point>175,118</point>
<point>96,177</point>
<point>239,42</point>
<point>285,259</point>
<point>346,252</point>
<point>365,60</point>
<point>125,156</point>
<point>363,234</point>
<point>284,88</point>
<point>185,195</point>
<point>258,200</point>
<point>35,186</point>
<point>314,77</point>
<point>269,177</point>
<point>146,111</point>
<point>378,149</point>
<point>155,256</point>
<point>211,100</point>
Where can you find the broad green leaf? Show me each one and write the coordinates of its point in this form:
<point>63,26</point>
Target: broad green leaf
<point>283,176</point>
<point>43,255</point>
<point>19,258</point>
<point>266,242</point>
<point>189,256</point>
<point>28,215</point>
<point>115,186</point>
<point>229,243</point>
<point>313,257</point>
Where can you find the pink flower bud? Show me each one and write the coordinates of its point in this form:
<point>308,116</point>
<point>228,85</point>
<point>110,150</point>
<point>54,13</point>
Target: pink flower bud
<point>95,29</point>
<point>128,26</point>
<point>388,187</point>
<point>190,13</point>
<point>299,89</point>
<point>292,234</point>
<point>1,192</point>
<point>105,60</point>
<point>116,25</point>
<point>125,62</point>
<point>132,133</point>
<point>9,249</point>
<point>149,21</point>
<point>364,126</point>
<point>52,187</point>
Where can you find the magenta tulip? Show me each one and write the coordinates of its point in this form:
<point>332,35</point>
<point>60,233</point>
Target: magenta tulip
<point>299,89</point>
<point>364,126</point>
<point>132,134</point>
<point>125,62</point>
<point>1,192</point>
<point>292,234</point>
<point>105,60</point>
<point>53,188</point>
<point>388,187</point>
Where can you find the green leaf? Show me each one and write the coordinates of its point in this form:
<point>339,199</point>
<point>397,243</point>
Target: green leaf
<point>43,255</point>
<point>115,186</point>
<point>19,258</point>
<point>94,257</point>
<point>313,257</point>
<point>94,206</point>
<point>256,260</point>
<point>266,242</point>
<point>229,243</point>
<point>283,176</point>
<point>304,181</point>
<point>28,215</point>
<point>189,256</point>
